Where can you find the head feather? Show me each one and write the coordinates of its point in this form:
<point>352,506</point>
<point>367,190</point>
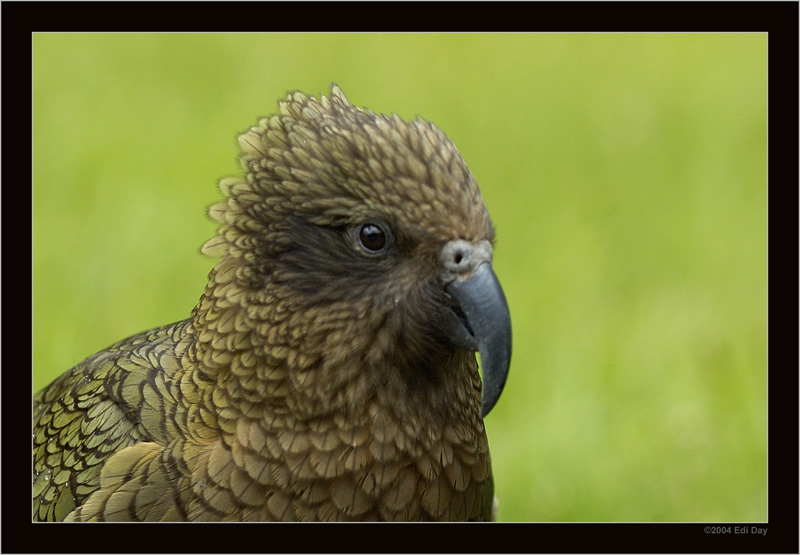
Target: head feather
<point>331,163</point>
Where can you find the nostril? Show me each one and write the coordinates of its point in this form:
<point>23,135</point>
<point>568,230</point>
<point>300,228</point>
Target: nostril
<point>459,258</point>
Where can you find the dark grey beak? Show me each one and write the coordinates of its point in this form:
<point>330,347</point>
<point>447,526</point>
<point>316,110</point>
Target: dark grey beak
<point>471,282</point>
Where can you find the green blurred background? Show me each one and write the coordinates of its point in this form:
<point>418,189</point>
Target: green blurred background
<point>626,175</point>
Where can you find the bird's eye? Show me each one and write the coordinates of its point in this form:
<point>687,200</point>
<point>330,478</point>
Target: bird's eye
<point>372,238</point>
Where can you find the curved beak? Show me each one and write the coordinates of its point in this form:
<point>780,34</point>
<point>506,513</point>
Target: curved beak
<point>486,322</point>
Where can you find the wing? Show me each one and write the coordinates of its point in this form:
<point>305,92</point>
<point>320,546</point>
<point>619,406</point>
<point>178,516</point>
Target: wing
<point>114,401</point>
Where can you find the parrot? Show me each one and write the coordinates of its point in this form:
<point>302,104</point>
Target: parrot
<point>328,371</point>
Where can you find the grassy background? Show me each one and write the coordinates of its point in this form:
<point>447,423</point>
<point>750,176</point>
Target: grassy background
<point>626,175</point>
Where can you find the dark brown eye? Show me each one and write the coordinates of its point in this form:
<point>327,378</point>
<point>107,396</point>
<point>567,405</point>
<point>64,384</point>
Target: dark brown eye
<point>372,238</point>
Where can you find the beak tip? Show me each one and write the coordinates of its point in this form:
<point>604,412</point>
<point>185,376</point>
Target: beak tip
<point>495,373</point>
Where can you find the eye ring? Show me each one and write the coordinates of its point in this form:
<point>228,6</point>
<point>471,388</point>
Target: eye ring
<point>373,238</point>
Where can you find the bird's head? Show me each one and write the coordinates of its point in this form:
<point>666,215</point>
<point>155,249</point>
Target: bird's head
<point>354,241</point>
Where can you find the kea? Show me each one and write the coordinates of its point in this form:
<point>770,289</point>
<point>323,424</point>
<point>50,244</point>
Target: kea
<point>329,369</point>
